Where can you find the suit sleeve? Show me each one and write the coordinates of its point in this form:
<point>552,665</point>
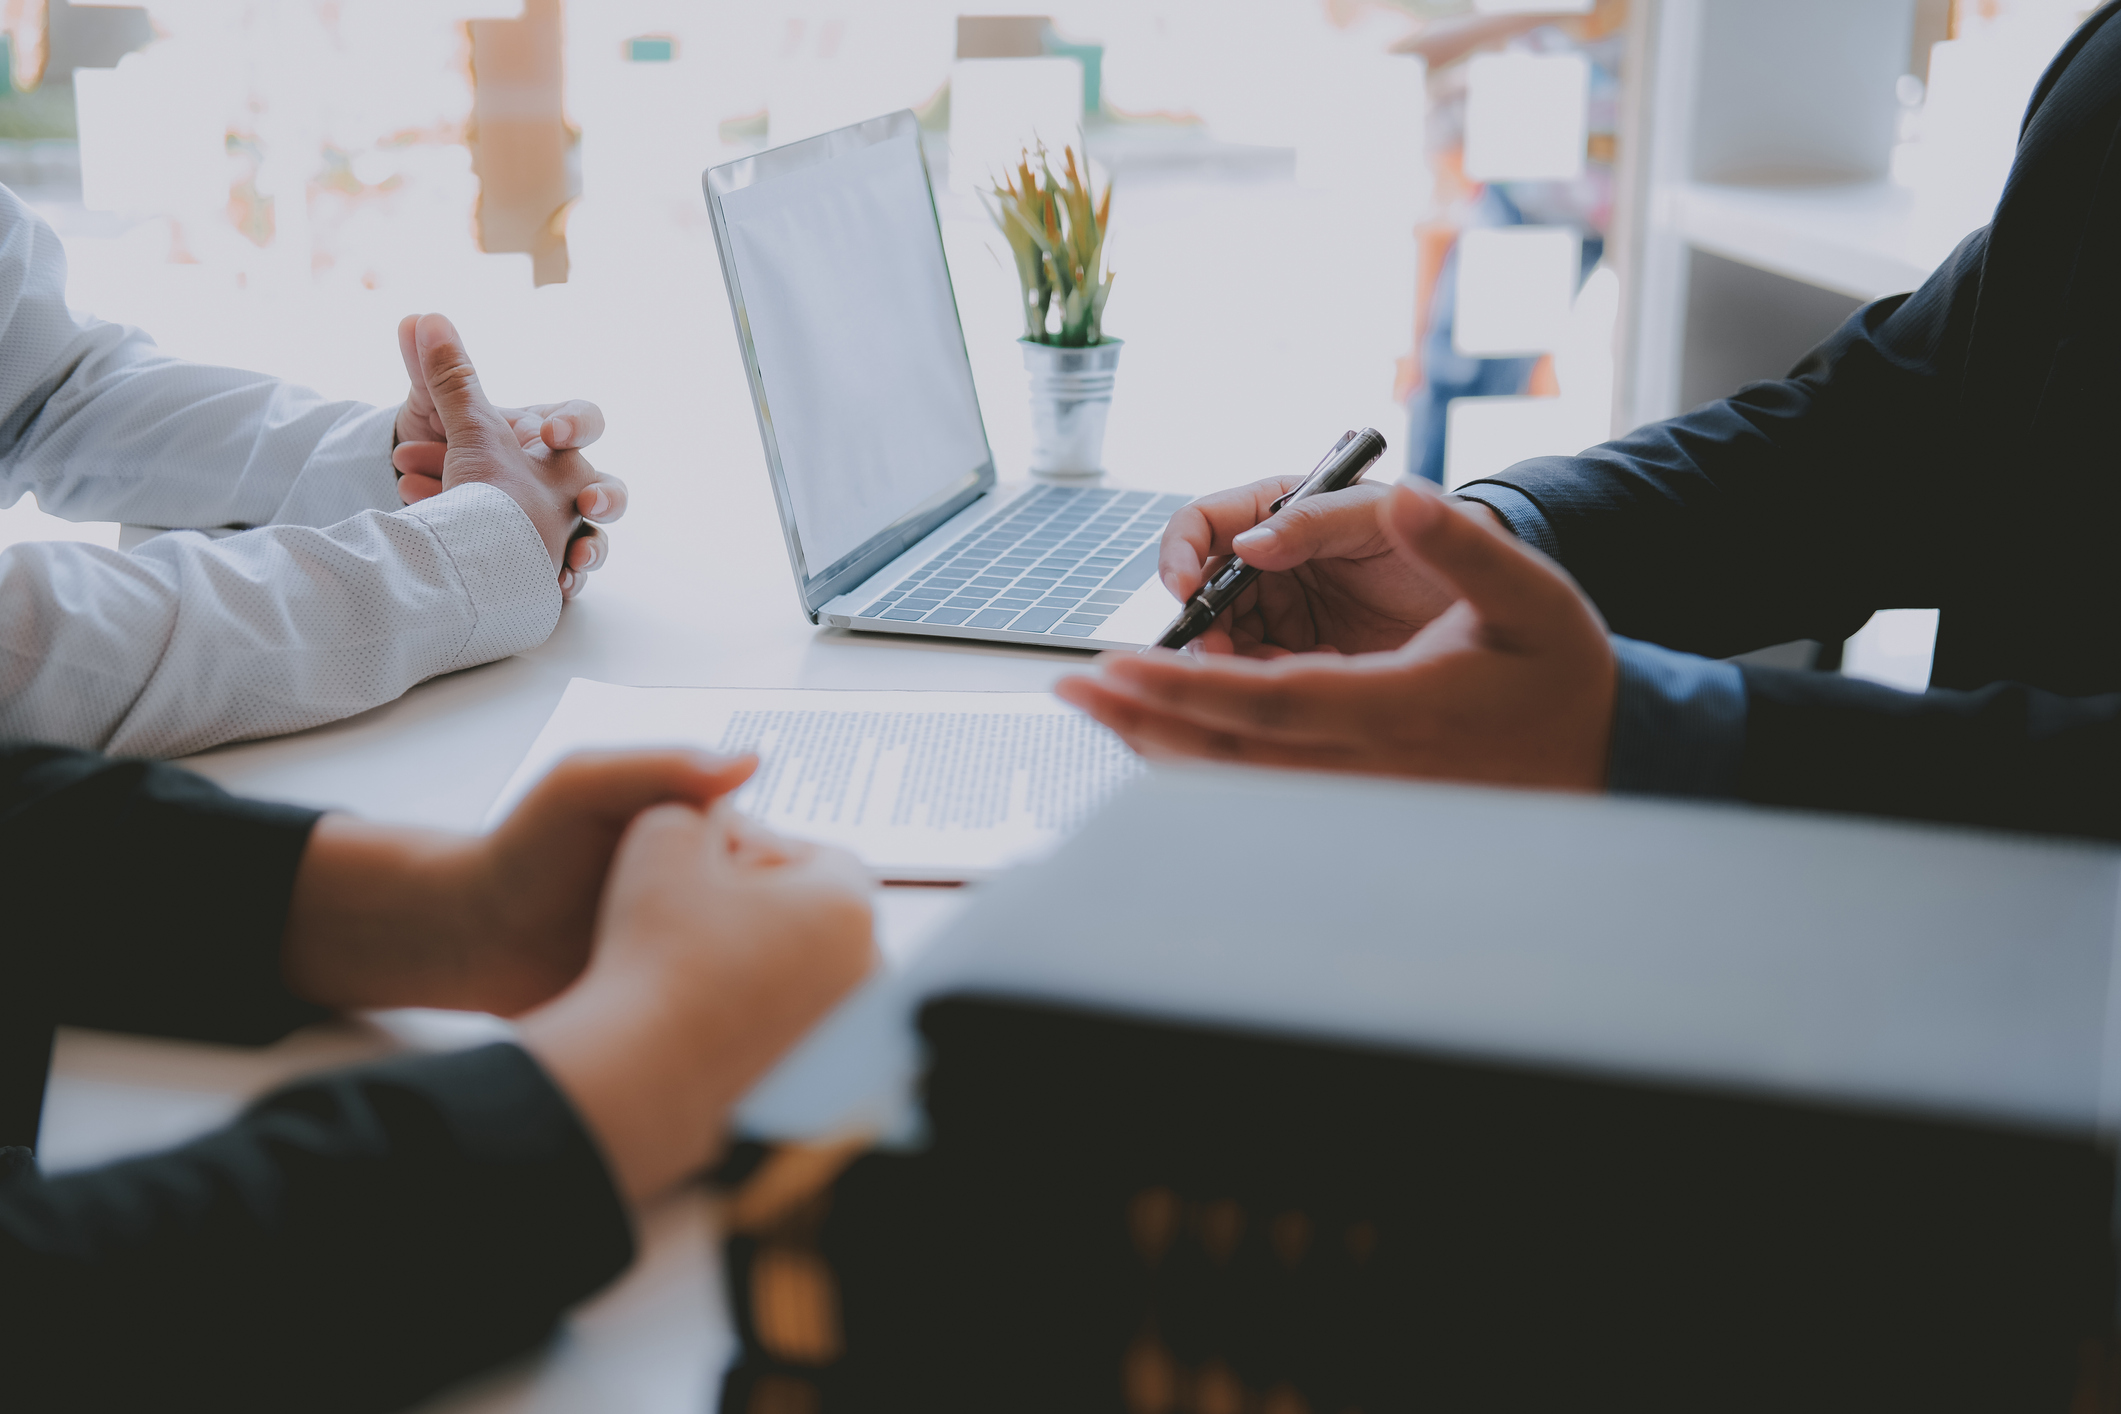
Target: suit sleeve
<point>354,1242</point>
<point>143,898</point>
<point>1793,509</point>
<point>2007,755</point>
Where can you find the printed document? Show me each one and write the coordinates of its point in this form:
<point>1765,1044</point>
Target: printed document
<point>923,786</point>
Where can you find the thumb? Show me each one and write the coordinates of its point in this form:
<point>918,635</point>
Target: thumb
<point>417,402</point>
<point>1520,596</point>
<point>453,383</point>
<point>1339,525</point>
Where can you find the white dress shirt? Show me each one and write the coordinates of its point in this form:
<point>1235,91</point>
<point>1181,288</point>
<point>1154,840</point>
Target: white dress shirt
<point>337,601</point>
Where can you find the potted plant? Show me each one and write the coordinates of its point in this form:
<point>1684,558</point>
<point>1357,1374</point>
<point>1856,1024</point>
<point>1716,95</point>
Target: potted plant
<point>1056,231</point>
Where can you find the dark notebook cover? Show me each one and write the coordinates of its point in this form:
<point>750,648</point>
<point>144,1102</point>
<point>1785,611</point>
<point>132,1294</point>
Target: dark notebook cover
<point>1121,1215</point>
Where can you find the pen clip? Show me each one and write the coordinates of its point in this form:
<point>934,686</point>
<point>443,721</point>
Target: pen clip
<point>1323,462</point>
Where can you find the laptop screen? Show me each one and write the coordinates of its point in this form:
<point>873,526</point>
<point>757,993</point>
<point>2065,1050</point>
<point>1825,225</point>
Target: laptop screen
<point>864,392</point>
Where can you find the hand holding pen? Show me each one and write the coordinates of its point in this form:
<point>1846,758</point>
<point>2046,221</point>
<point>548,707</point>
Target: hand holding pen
<point>1342,467</point>
<point>1331,580</point>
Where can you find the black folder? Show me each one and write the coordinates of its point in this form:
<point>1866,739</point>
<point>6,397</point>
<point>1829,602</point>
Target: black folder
<point>1134,1215</point>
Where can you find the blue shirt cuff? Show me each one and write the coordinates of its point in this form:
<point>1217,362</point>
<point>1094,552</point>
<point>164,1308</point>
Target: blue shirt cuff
<point>1678,723</point>
<point>1518,511</point>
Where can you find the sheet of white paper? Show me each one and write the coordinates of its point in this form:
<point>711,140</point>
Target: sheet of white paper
<point>922,785</point>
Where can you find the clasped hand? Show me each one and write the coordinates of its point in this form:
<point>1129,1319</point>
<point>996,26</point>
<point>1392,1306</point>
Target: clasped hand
<point>449,434</point>
<point>1392,632</point>
<point>660,948</point>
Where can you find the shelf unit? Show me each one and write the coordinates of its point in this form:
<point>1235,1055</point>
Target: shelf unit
<point>1768,135</point>
<point>1760,212</point>
<point>1859,239</point>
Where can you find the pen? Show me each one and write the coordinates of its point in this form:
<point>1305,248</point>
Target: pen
<point>1351,456</point>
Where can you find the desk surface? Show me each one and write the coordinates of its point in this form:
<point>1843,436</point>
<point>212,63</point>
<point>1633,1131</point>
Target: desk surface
<point>1222,383</point>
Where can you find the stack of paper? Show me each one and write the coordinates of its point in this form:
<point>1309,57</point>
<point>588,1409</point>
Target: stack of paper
<point>924,786</point>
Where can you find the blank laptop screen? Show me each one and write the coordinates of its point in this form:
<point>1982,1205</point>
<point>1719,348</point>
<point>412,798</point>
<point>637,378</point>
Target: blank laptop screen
<point>868,394</point>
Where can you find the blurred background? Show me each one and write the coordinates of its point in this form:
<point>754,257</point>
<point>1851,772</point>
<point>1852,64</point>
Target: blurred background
<point>1492,229</point>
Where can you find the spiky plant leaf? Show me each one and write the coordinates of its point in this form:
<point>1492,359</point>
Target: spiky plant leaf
<point>1055,226</point>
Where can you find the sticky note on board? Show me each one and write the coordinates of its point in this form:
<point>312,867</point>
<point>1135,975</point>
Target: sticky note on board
<point>1534,7</point>
<point>1515,287</point>
<point>1527,116</point>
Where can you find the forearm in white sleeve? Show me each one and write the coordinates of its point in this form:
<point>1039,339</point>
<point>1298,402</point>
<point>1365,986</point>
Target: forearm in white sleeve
<point>189,642</point>
<point>102,425</point>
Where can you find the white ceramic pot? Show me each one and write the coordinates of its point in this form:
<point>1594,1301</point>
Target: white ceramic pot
<point>1071,396</point>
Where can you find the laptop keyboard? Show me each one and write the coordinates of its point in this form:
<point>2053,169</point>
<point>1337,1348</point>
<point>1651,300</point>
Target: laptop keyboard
<point>1059,560</point>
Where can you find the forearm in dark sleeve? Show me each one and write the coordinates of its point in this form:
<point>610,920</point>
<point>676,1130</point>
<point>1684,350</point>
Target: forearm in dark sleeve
<point>2006,756</point>
<point>144,898</point>
<point>1794,508</point>
<point>352,1243</point>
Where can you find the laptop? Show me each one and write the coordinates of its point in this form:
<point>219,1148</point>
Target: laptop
<point>895,520</point>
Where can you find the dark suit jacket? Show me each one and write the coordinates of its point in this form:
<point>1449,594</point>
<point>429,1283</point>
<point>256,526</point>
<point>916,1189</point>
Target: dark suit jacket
<point>353,1242</point>
<point>1956,448</point>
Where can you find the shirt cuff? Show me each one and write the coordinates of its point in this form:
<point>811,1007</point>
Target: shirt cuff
<point>1678,723</point>
<point>1518,511</point>
<point>501,561</point>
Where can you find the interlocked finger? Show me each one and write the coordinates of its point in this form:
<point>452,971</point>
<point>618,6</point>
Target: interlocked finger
<point>419,458</point>
<point>414,489</point>
<point>587,550</point>
<point>603,499</point>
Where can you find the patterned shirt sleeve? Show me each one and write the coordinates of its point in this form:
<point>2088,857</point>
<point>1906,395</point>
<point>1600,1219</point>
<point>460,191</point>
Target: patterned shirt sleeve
<point>188,642</point>
<point>330,598</point>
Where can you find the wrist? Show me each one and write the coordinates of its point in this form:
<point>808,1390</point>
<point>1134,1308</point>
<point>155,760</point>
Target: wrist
<point>528,498</point>
<point>633,1069</point>
<point>379,917</point>
<point>550,510</point>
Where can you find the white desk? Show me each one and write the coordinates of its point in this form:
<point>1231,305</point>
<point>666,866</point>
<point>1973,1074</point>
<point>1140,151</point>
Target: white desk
<point>1223,381</point>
